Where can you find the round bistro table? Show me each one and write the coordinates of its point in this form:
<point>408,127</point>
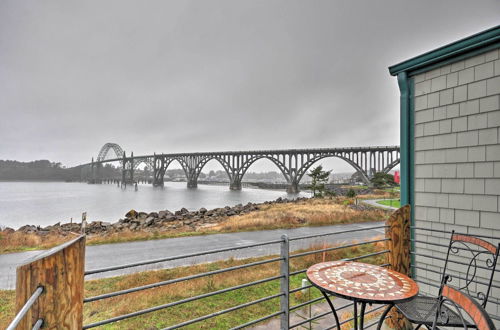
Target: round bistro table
<point>361,283</point>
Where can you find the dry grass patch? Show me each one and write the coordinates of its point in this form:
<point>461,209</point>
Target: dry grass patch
<point>379,194</point>
<point>7,305</point>
<point>312,212</point>
<point>19,241</point>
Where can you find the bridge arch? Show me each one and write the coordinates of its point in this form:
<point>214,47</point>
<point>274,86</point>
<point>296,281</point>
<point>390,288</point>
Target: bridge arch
<point>392,165</point>
<point>225,165</point>
<point>306,166</point>
<point>181,162</point>
<point>281,166</point>
<point>106,148</point>
<point>148,162</point>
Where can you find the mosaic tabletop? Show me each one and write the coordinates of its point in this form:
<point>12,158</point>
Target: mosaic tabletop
<point>360,281</point>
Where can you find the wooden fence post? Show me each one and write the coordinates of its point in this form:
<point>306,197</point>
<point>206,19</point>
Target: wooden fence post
<point>398,231</point>
<point>60,271</point>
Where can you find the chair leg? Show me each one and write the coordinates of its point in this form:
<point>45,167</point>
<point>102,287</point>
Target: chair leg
<point>382,318</point>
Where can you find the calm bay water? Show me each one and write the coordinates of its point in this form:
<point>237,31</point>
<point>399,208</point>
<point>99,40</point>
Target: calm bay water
<point>46,203</point>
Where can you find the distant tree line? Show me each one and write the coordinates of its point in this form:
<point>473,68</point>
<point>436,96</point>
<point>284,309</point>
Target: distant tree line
<point>45,170</point>
<point>36,170</point>
<point>221,176</point>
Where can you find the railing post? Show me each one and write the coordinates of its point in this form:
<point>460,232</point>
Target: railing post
<point>285,283</point>
<point>398,233</point>
<point>60,272</point>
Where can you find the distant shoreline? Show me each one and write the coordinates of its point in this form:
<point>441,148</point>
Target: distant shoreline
<point>254,185</point>
<point>37,180</point>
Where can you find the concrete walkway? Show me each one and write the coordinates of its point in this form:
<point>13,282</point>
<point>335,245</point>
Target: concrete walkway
<point>326,321</point>
<point>373,202</point>
<point>100,256</point>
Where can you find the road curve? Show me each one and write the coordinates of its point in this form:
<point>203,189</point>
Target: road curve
<point>101,256</point>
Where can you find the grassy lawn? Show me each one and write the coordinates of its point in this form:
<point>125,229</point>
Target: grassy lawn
<point>310,212</point>
<point>100,310</point>
<point>390,202</point>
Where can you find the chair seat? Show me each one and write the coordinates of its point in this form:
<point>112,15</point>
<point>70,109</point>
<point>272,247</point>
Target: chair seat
<point>422,310</point>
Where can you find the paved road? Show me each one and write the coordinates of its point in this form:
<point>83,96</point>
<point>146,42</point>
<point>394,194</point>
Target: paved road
<point>100,256</point>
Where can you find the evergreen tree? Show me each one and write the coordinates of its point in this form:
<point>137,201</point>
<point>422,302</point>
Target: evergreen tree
<point>351,193</point>
<point>318,180</point>
<point>381,179</point>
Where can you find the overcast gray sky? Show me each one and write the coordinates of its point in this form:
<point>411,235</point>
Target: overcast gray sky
<point>180,76</point>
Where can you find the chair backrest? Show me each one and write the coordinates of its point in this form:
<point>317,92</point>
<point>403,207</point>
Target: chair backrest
<point>474,262</point>
<point>458,301</point>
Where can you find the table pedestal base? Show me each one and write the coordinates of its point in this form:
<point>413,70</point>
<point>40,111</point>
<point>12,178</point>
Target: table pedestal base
<point>383,316</point>
<point>361,314</point>
<point>333,309</point>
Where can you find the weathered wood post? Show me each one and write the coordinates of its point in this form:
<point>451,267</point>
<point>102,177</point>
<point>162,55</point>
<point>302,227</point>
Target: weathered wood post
<point>60,271</point>
<point>398,231</point>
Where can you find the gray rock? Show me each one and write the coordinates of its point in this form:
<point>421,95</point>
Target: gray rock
<point>163,214</point>
<point>170,217</point>
<point>149,221</point>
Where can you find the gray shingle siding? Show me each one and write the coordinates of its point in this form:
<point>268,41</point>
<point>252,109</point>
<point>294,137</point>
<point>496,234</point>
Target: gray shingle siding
<point>457,158</point>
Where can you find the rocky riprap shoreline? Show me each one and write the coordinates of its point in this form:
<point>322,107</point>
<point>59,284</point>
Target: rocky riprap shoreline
<point>165,220</point>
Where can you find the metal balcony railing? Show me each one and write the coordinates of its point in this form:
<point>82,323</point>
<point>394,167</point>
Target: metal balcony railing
<point>24,310</point>
<point>284,270</point>
<point>285,273</point>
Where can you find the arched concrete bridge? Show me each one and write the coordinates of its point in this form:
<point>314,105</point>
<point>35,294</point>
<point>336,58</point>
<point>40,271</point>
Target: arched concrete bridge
<point>293,163</point>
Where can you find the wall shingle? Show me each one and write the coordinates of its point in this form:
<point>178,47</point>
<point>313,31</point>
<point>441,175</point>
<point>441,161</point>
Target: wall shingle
<point>457,157</point>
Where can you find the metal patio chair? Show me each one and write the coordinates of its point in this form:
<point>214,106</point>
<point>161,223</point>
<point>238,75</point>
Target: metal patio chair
<point>452,299</point>
<point>477,255</point>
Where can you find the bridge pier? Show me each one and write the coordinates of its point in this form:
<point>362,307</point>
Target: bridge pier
<point>293,188</point>
<point>192,183</point>
<point>95,172</point>
<point>159,168</point>
<point>158,182</point>
<point>128,169</point>
<point>235,184</point>
<point>128,176</point>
